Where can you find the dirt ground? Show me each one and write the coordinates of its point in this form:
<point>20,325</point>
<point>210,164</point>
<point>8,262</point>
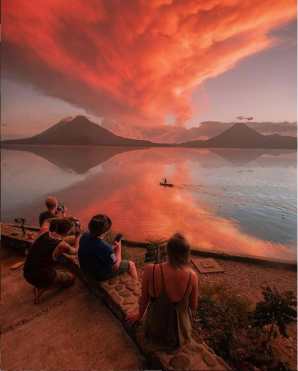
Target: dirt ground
<point>70,329</point>
<point>73,330</point>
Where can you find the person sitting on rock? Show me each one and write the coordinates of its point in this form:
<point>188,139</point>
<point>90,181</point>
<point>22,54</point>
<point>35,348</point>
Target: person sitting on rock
<point>98,259</point>
<point>51,205</point>
<point>51,212</point>
<point>40,266</point>
<point>169,293</point>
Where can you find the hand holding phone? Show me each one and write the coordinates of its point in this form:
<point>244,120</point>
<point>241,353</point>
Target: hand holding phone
<point>118,237</point>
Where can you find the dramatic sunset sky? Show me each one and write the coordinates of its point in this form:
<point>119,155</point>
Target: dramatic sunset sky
<point>146,63</point>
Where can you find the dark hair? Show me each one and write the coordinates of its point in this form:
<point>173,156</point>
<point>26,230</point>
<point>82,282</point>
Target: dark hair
<point>99,224</point>
<point>61,226</point>
<point>178,250</point>
<point>51,202</point>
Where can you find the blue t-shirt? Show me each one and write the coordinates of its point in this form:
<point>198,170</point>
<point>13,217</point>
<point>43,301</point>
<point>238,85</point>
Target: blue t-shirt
<point>96,256</point>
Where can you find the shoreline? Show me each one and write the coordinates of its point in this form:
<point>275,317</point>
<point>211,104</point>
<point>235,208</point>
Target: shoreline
<point>15,146</point>
<point>195,251</point>
<point>253,259</point>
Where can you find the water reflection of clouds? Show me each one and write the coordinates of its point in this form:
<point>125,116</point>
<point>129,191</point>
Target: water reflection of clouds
<point>128,190</point>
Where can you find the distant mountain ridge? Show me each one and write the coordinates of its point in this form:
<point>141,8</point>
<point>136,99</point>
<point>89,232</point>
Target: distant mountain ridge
<point>242,136</point>
<point>205,130</point>
<point>209,129</point>
<point>78,131</point>
<point>81,131</point>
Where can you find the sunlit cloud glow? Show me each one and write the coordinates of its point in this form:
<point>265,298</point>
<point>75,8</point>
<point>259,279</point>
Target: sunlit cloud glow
<point>133,62</point>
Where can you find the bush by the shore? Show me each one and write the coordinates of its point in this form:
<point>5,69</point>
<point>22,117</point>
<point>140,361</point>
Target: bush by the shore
<point>241,332</point>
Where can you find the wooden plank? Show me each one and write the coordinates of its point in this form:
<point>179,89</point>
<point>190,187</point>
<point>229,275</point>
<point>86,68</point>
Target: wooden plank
<point>208,265</point>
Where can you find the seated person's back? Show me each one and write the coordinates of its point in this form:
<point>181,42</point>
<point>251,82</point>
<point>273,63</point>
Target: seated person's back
<point>96,256</point>
<point>45,215</point>
<point>98,259</point>
<point>50,213</point>
<point>169,292</point>
<point>40,265</point>
<point>174,282</point>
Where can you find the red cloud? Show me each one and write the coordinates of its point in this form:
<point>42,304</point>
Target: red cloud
<point>133,60</point>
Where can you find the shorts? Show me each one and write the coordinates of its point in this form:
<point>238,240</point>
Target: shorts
<point>49,278</point>
<point>64,278</point>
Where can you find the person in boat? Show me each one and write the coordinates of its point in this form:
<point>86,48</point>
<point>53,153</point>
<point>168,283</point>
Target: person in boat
<point>98,259</point>
<point>169,294</point>
<point>51,212</point>
<point>40,268</point>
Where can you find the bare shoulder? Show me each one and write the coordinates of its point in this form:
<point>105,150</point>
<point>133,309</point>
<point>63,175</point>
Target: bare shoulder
<point>194,276</point>
<point>63,245</point>
<point>191,270</point>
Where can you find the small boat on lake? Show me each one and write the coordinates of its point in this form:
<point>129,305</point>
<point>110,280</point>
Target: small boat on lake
<point>164,183</point>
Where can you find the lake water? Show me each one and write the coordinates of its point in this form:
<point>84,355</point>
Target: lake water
<point>237,201</point>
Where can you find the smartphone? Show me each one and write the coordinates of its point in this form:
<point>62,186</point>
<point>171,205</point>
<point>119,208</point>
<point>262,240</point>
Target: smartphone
<point>118,237</point>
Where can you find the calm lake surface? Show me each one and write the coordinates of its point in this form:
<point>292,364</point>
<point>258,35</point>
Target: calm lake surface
<point>239,201</point>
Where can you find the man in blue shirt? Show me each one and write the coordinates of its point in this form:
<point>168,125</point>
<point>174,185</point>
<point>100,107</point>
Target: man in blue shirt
<point>99,259</point>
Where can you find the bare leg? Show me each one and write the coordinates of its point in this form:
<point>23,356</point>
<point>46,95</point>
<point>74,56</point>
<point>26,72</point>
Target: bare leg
<point>63,279</point>
<point>37,294</point>
<point>133,270</point>
<point>118,252</point>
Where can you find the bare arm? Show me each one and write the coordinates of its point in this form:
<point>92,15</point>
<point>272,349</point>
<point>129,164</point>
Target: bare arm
<point>194,296</point>
<point>63,248</point>
<point>144,299</point>
<point>76,242</point>
<point>117,247</point>
<point>73,241</point>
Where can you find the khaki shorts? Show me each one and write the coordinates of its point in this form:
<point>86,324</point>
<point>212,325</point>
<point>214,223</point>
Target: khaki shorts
<point>64,278</point>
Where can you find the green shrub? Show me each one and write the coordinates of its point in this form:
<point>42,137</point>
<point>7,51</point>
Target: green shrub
<point>238,331</point>
<point>222,313</point>
<point>275,311</point>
